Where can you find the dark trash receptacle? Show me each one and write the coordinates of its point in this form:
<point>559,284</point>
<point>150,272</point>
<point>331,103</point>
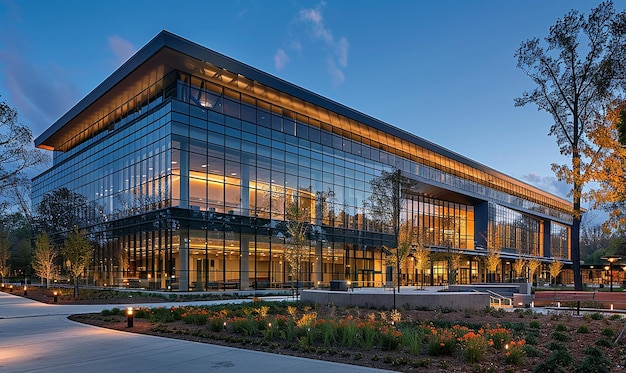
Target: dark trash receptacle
<point>338,285</point>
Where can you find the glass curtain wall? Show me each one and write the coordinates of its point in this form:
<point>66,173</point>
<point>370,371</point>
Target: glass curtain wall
<point>195,199</point>
<point>514,232</point>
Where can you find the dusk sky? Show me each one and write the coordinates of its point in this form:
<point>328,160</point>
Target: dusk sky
<point>443,70</point>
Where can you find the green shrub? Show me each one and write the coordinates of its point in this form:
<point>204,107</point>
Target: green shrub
<point>561,337</point>
<point>603,342</point>
<point>412,339</point>
<point>615,317</point>
<point>608,332</point>
<point>217,323</point>
<point>556,346</point>
<point>161,315</point>
<point>534,324</point>
<point>531,339</point>
<point>594,361</point>
<point>560,328</point>
<point>142,313</point>
<point>328,332</point>
<point>596,316</point>
<point>583,329</point>
<point>368,334</point>
<point>559,361</point>
<point>195,317</point>
<point>532,351</point>
<point>243,325</point>
<point>515,354</point>
<point>389,341</point>
<point>421,363</point>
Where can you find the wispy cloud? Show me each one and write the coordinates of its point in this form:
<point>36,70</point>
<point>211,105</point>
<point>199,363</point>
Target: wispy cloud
<point>548,183</point>
<point>338,57</point>
<point>310,21</point>
<point>121,48</point>
<point>280,59</point>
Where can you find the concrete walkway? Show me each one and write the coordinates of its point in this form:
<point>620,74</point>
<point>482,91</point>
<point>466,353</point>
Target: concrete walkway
<point>36,337</point>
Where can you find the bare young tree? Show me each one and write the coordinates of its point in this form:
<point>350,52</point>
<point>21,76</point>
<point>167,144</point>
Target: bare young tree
<point>16,151</point>
<point>384,205</point>
<point>297,219</point>
<point>43,260</point>
<point>577,73</point>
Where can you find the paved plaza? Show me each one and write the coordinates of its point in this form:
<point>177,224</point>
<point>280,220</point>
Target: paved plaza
<point>37,337</point>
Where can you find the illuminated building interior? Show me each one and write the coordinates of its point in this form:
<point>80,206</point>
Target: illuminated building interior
<point>188,159</point>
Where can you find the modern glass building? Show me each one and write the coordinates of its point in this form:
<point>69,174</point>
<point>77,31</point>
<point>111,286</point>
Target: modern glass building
<point>187,159</point>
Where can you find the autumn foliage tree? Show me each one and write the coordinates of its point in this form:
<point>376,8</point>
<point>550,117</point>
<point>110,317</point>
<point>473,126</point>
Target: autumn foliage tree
<point>492,260</point>
<point>43,258</point>
<point>555,269</point>
<point>422,258</point>
<point>533,265</point>
<point>610,173</point>
<point>577,69</point>
<point>77,252</point>
<point>399,255</point>
<point>518,266</point>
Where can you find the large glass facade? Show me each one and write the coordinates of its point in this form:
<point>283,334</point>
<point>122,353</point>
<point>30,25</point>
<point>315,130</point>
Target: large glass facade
<point>189,189</point>
<point>559,241</point>
<point>514,232</point>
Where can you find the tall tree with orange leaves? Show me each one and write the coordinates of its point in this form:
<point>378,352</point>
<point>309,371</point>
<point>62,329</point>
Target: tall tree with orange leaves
<point>577,69</point>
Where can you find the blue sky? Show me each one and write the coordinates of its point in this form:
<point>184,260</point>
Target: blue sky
<point>443,70</point>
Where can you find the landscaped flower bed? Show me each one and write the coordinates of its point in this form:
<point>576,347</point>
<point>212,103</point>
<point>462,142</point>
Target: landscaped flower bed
<point>489,340</point>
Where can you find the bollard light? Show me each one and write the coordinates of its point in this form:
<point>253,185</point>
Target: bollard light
<point>25,290</point>
<point>558,304</point>
<point>11,289</point>
<point>56,299</point>
<point>611,307</point>
<point>129,316</point>
<point>532,304</point>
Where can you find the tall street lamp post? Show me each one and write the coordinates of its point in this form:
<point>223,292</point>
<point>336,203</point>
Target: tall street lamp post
<point>611,260</point>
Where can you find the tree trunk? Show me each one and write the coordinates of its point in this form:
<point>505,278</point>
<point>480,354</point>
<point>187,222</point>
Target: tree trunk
<point>578,278</point>
<point>75,288</point>
<point>398,275</point>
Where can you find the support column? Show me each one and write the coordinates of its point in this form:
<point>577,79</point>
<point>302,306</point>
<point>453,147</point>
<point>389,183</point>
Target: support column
<point>244,265</point>
<point>183,262</point>
<point>245,186</point>
<point>317,264</point>
<point>547,228</point>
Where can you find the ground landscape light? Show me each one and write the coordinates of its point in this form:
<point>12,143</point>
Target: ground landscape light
<point>129,316</point>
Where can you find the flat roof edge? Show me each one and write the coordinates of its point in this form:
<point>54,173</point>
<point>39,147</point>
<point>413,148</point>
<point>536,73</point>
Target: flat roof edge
<point>153,46</point>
